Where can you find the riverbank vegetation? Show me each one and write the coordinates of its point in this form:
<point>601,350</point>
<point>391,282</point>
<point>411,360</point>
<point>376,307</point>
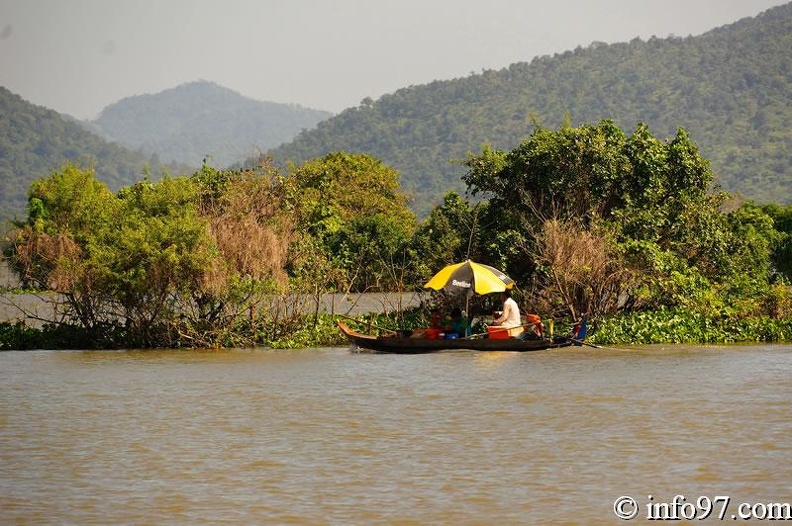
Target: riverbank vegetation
<point>626,228</point>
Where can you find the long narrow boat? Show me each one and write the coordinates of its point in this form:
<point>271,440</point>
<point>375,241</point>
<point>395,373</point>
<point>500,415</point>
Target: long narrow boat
<point>406,345</point>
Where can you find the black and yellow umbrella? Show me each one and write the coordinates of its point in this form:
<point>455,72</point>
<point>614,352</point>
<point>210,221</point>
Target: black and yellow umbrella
<point>469,277</point>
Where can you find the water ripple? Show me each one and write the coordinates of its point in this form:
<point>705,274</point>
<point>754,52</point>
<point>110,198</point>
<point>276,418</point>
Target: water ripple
<point>326,436</point>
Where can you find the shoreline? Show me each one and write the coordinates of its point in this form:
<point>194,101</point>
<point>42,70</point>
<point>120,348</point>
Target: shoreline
<point>31,308</point>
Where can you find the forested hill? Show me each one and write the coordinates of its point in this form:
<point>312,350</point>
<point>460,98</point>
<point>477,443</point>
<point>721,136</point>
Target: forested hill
<point>34,141</point>
<point>731,88</point>
<point>186,123</point>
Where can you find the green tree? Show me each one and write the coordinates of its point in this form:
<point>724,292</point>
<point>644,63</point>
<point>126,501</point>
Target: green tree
<point>352,208</point>
<point>150,260</point>
<point>180,261</point>
<point>782,248</point>
<point>67,213</point>
<point>652,202</point>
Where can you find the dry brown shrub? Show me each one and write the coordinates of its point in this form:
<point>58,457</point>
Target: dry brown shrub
<point>214,280</point>
<point>583,269</point>
<point>249,247</point>
<point>249,230</point>
<point>49,261</point>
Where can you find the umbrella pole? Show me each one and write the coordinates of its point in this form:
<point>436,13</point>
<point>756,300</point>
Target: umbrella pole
<point>467,315</point>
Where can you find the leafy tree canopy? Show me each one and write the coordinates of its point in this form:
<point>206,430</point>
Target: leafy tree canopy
<point>651,200</point>
<point>352,206</point>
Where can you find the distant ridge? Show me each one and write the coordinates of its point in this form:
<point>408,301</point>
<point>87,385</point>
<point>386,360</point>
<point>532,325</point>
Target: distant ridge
<point>186,123</point>
<point>731,88</point>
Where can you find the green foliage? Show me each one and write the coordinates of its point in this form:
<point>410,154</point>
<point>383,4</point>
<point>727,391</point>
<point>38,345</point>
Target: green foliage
<point>350,214</point>
<point>596,172</point>
<point>681,326</point>
<point>155,254</point>
<point>666,237</point>
<point>714,262</point>
<point>69,199</point>
<point>373,249</point>
<point>745,264</point>
<point>323,333</point>
<point>782,243</point>
<point>667,280</point>
<point>577,172</point>
<point>168,263</point>
<point>333,189</point>
<point>450,234</point>
<point>20,337</point>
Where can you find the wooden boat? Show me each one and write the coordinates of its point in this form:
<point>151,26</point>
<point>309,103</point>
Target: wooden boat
<point>403,344</point>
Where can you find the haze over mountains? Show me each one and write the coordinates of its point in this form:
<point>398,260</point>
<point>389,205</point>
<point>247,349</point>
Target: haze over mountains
<point>186,123</point>
<point>731,88</point>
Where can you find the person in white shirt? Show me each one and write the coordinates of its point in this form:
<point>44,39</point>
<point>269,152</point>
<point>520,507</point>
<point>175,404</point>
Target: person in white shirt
<point>510,317</point>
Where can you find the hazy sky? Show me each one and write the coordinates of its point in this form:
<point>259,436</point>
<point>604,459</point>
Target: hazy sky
<point>78,56</point>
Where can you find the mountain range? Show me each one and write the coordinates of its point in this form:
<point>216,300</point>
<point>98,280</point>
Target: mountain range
<point>731,88</point>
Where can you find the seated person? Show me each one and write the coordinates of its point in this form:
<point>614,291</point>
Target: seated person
<point>510,316</point>
<point>534,328</point>
<point>457,324</point>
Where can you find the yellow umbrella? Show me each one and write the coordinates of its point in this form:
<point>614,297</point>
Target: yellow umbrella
<point>469,276</point>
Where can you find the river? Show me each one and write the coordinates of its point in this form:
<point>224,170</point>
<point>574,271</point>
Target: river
<point>333,436</point>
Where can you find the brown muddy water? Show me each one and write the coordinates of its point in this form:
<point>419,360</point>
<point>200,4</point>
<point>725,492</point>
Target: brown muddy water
<point>332,436</point>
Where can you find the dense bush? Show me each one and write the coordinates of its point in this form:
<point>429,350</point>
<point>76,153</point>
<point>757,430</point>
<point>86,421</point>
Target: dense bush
<point>614,222</point>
